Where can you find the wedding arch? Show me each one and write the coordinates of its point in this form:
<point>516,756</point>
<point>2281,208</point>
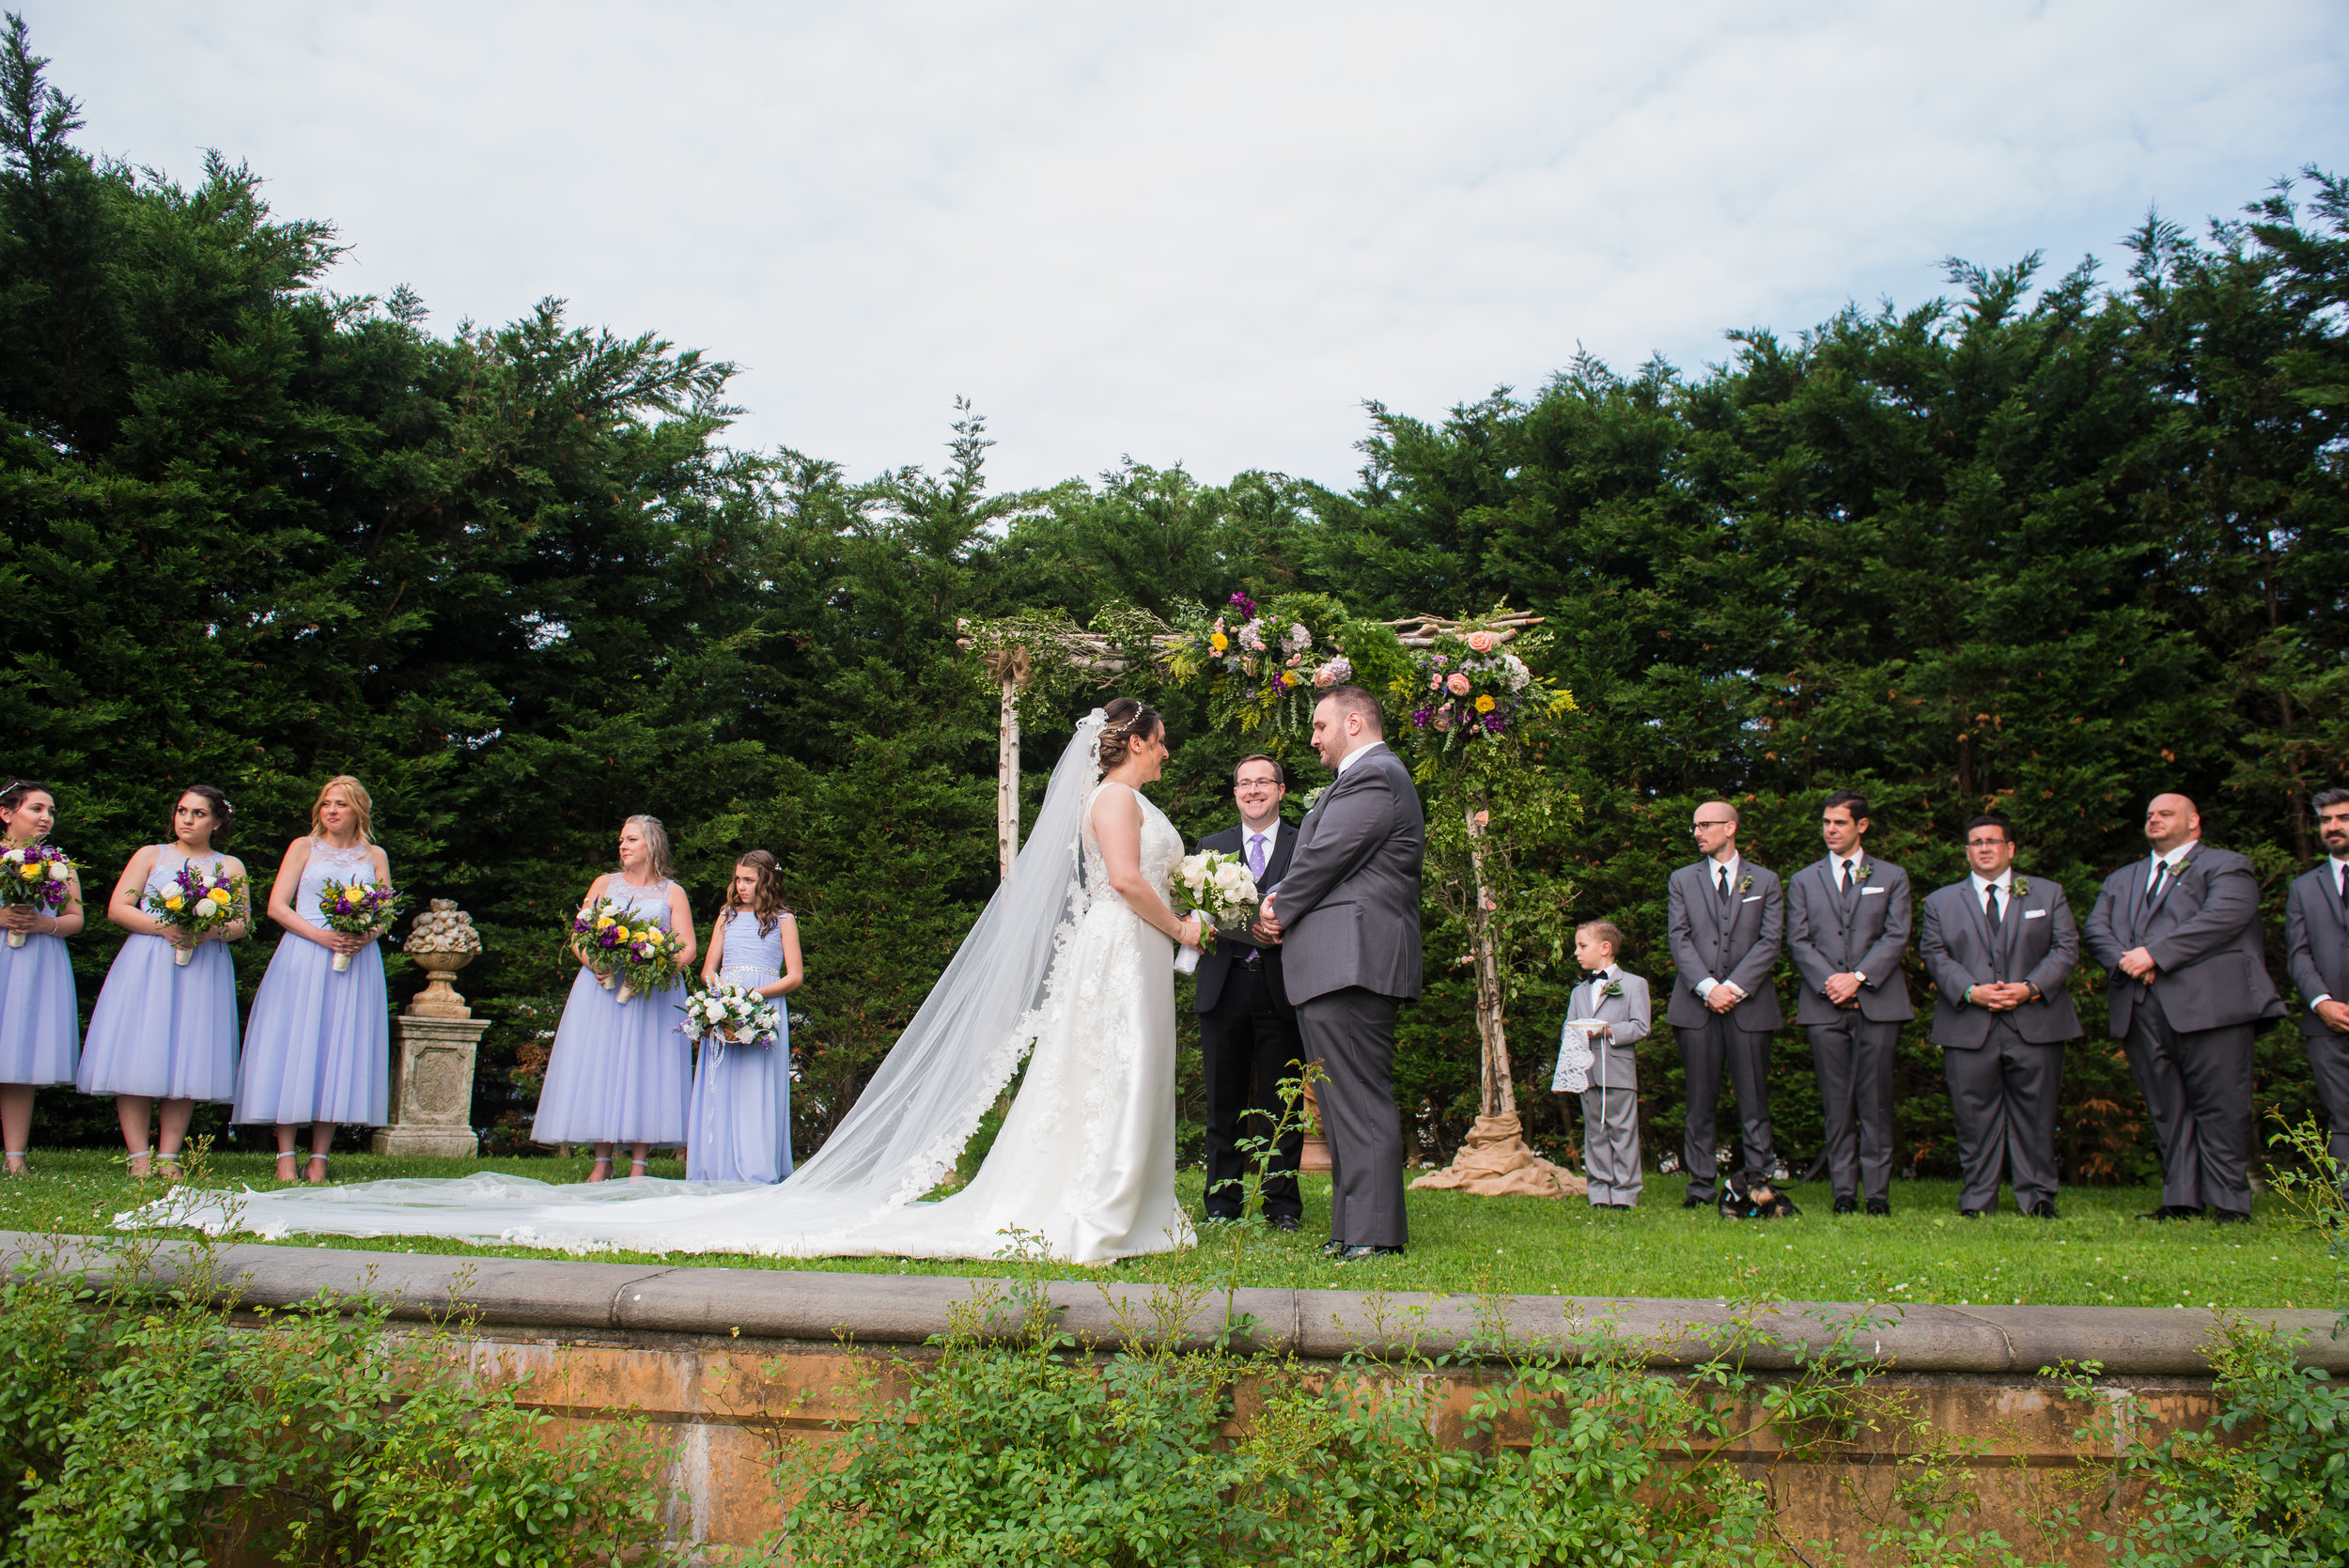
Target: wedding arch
<point>1480,722</point>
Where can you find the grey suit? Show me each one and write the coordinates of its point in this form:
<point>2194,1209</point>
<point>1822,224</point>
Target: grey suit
<point>1861,930</point>
<point>2189,1035</point>
<point>2316,956</point>
<point>1610,1105</point>
<point>2004,1069</point>
<point>1730,937</point>
<point>1350,951</point>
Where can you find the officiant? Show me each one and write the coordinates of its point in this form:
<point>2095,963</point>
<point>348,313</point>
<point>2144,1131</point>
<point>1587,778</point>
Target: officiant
<point>1248,1039</point>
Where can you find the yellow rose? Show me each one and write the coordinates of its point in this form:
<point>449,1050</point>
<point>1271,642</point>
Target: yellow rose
<point>602,922</point>
<point>219,897</point>
<point>1219,641</point>
<point>1484,704</point>
<point>622,935</point>
<point>174,902</point>
<point>32,873</point>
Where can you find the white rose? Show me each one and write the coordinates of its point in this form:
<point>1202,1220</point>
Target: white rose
<point>14,857</point>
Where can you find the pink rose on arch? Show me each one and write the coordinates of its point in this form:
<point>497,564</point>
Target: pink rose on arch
<point>1459,684</point>
<point>1482,642</point>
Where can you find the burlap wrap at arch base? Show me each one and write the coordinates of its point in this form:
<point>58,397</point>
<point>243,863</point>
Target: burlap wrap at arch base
<point>1495,1163</point>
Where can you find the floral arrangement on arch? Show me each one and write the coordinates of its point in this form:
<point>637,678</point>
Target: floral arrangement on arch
<point>1473,686</point>
<point>1266,666</point>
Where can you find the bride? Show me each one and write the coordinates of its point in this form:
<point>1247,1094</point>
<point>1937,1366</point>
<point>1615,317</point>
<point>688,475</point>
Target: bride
<point>1070,965</point>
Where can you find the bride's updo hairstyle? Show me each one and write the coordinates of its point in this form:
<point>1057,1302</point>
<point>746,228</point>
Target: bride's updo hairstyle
<point>1127,722</point>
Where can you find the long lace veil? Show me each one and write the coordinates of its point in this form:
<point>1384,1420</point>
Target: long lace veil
<point>901,1136</point>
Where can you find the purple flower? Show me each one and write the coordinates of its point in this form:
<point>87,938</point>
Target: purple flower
<point>1247,605</point>
<point>1418,719</point>
<point>1492,724</point>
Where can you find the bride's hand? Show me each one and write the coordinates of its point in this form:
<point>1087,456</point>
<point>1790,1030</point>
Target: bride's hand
<point>1190,931</point>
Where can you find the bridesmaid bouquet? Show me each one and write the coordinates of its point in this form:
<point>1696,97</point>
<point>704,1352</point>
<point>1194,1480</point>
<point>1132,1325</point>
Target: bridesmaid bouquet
<point>34,874</point>
<point>1215,886</point>
<point>734,1015</point>
<point>636,954</point>
<point>358,910</point>
<point>195,905</point>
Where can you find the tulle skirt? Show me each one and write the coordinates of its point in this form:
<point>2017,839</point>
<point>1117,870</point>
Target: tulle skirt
<point>741,1118</point>
<point>619,1073</point>
<point>41,1023</point>
<point>163,1029</point>
<point>317,1047</point>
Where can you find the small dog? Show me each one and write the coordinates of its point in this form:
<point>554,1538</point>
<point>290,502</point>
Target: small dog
<point>1755,1200</point>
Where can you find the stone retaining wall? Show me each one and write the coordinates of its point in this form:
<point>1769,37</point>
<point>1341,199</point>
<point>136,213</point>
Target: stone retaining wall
<point>754,1365</point>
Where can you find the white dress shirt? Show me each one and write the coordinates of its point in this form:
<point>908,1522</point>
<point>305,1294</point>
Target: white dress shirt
<point>2003,881</point>
<point>1356,755</point>
<point>2170,860</point>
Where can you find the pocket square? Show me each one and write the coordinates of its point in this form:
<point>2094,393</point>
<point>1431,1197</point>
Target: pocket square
<point>1751,898</point>
<point>1873,893</point>
<point>2034,914</point>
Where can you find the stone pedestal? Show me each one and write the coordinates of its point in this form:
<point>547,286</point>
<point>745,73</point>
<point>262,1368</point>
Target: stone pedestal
<point>432,1087</point>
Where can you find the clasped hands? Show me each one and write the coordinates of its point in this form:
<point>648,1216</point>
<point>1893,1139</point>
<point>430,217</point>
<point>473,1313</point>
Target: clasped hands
<point>1843,989</point>
<point>1998,995</point>
<point>23,917</point>
<point>1267,931</point>
<point>2138,964</point>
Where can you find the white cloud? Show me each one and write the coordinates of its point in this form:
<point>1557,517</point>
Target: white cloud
<point>1199,234</point>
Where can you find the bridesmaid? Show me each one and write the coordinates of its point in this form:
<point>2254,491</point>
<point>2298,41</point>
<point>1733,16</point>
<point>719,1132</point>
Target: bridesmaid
<point>163,1031</point>
<point>39,1017</point>
<point>317,1047</point>
<point>621,1072</point>
<point>741,1123</point>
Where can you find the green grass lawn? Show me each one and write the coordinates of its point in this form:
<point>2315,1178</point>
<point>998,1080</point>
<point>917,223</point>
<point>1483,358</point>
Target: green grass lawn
<point>2096,1254</point>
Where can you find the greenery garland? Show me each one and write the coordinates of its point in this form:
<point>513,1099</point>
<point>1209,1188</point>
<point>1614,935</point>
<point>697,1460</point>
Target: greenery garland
<point>1263,666</point>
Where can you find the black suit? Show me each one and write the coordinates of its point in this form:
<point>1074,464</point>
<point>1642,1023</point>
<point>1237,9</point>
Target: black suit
<point>1247,1043</point>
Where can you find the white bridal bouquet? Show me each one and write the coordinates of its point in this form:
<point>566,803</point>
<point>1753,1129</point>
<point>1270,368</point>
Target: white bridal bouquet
<point>733,1015</point>
<point>1215,886</point>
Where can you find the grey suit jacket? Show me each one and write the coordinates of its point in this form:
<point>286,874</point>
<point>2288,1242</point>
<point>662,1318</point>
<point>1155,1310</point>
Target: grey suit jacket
<point>2210,970</point>
<point>1740,949</point>
<point>1614,1065</point>
<point>2036,942</point>
<point>1865,934</point>
<point>2316,946</point>
<point>1348,906</point>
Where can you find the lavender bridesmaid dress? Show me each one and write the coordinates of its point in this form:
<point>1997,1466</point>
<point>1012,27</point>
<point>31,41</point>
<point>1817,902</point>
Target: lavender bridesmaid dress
<point>160,1028</point>
<point>317,1047</point>
<point>741,1112</point>
<point>40,1018</point>
<point>619,1073</point>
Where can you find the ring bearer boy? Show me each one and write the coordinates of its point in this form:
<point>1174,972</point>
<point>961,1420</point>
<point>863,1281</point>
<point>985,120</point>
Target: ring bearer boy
<point>1605,1016</point>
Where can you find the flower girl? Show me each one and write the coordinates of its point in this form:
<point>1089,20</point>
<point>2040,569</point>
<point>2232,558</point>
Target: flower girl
<point>166,1027</point>
<point>741,1121</point>
<point>620,1071</point>
<point>318,1045</point>
<point>39,1018</point>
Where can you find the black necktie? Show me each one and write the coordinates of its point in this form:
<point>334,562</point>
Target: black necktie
<point>1995,917</point>
<point>2340,877</point>
<point>1846,876</point>
<point>1724,884</point>
<point>2152,888</point>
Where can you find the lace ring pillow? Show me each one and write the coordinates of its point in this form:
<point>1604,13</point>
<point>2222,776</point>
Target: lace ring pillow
<point>1576,1055</point>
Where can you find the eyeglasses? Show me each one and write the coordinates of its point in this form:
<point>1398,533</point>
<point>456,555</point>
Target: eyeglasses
<point>1700,826</point>
<point>1257,783</point>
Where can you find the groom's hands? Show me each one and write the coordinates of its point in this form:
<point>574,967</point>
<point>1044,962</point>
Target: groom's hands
<point>1268,930</point>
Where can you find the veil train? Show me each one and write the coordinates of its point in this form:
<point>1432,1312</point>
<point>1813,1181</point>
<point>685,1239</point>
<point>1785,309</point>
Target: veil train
<point>899,1140</point>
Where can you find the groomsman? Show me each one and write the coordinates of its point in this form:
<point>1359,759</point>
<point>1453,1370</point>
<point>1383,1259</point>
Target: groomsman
<point>1725,918</point>
<point>1999,949</point>
<point>2316,956</point>
<point>1847,921</point>
<point>2180,933</point>
<point>1247,1040</point>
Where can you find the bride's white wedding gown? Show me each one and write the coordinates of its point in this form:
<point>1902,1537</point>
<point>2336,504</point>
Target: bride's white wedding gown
<point>1081,1169</point>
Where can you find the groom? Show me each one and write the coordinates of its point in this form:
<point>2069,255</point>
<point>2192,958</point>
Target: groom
<point>1347,916</point>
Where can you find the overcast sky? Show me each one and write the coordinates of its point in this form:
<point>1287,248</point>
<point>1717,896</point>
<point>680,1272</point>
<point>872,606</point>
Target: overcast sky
<point>1202,233</point>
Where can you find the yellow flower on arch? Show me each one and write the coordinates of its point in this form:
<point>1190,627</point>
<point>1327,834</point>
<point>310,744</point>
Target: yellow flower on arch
<point>1219,641</point>
<point>1485,702</point>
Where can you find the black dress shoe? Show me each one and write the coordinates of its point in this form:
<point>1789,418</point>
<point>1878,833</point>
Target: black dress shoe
<point>2043,1209</point>
<point>2230,1217</point>
<point>1970,1213</point>
<point>2172,1211</point>
<point>1332,1247</point>
<point>1879,1205</point>
<point>1846,1205</point>
<point>1693,1202</point>
<point>1283,1222</point>
<point>1358,1254</point>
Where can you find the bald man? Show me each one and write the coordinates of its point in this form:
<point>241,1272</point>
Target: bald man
<point>1725,918</point>
<point>2180,935</point>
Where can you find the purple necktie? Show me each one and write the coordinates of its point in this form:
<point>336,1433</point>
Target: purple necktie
<point>1255,871</point>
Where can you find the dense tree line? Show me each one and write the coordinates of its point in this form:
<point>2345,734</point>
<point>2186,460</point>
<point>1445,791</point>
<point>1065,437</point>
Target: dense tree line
<point>2040,547</point>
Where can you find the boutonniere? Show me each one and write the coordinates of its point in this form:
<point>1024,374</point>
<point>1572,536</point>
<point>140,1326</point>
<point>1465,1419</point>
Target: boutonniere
<point>1867,869</point>
<point>2182,868</point>
<point>1313,797</point>
<point>1613,988</point>
<point>2020,888</point>
<point>1745,884</point>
